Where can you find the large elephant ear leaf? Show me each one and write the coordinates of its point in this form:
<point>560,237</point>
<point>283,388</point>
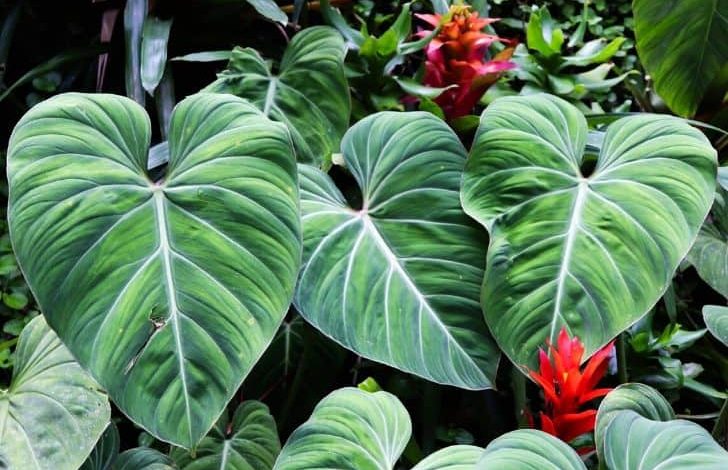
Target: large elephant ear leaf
<point>682,45</point>
<point>588,251</point>
<point>53,412</point>
<point>460,457</point>
<point>640,398</point>
<point>398,280</point>
<point>247,442</point>
<point>529,449</point>
<point>309,94</point>
<point>167,292</point>
<point>716,319</point>
<point>350,429</point>
<point>709,253</point>
<point>633,442</point>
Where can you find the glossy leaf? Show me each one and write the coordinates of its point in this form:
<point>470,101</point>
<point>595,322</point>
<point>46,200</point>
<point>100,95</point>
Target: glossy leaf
<point>155,36</point>
<point>135,12</point>
<point>167,291</point>
<point>681,44</point>
<point>309,93</point>
<point>640,398</point>
<point>143,458</point>
<point>709,253</point>
<point>247,442</point>
<point>398,281</point>
<point>459,457</point>
<point>636,443</point>
<point>270,10</point>
<point>53,412</point>
<point>716,319</point>
<point>529,449</point>
<point>592,253</point>
<point>105,451</point>
<point>349,430</point>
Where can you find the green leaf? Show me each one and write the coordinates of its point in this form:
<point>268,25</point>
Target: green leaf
<point>709,253</point>
<point>143,458</point>
<point>310,94</point>
<point>15,300</point>
<point>248,442</point>
<point>207,56</point>
<point>349,430</point>
<point>154,52</point>
<point>592,253</point>
<point>451,458</point>
<point>167,292</point>
<point>635,443</point>
<point>529,449</point>
<point>134,14</point>
<point>417,89</point>
<point>398,281</point>
<point>542,35</point>
<point>716,319</point>
<point>640,398</point>
<point>681,43</point>
<point>270,10</point>
<point>52,413</point>
<point>105,452</point>
<point>594,52</point>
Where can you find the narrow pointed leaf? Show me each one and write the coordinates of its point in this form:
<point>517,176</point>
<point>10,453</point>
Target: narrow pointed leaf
<point>167,292</point>
<point>635,443</point>
<point>459,457</point>
<point>592,253</point>
<point>640,398</point>
<point>155,37</point>
<point>529,449</point>
<point>247,442</point>
<point>349,430</point>
<point>309,93</point>
<point>398,281</point>
<point>53,412</point>
<point>716,319</point>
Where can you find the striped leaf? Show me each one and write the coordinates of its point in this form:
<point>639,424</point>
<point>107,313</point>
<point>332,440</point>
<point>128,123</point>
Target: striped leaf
<point>459,457</point>
<point>398,280</point>
<point>52,413</point>
<point>589,251</point>
<point>308,93</point>
<point>716,319</point>
<point>166,291</point>
<point>529,449</point>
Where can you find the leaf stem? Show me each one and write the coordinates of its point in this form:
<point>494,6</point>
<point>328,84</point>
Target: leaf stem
<point>622,359</point>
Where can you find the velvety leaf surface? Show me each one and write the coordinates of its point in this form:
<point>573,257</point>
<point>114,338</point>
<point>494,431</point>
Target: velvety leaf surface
<point>529,449</point>
<point>682,44</point>
<point>460,457</point>
<point>635,443</point>
<point>716,319</point>
<point>590,252</point>
<point>168,291</point>
<point>309,93</point>
<point>350,429</point>
<point>53,412</point>
<point>640,398</point>
<point>398,281</point>
<point>248,442</point>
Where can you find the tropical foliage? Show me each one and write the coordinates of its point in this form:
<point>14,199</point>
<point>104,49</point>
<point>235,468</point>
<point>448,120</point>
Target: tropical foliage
<point>357,235</point>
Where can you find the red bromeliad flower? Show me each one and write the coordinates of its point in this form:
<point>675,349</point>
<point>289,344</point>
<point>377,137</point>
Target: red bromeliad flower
<point>567,388</point>
<point>456,56</point>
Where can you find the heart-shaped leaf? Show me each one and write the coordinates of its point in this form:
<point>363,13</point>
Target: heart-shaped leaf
<point>716,319</point>
<point>589,251</point>
<point>529,449</point>
<point>460,457</point>
<point>709,253</point>
<point>682,45</point>
<point>167,291</point>
<point>350,429</point>
<point>309,93</point>
<point>640,398</point>
<point>635,443</point>
<point>52,413</point>
<point>398,281</point>
<point>248,442</point>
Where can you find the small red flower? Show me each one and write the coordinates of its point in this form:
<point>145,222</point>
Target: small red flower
<point>456,56</point>
<point>567,388</point>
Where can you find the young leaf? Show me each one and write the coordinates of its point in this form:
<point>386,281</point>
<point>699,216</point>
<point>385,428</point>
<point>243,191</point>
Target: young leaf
<point>134,14</point>
<point>529,449</point>
<point>682,46</point>
<point>248,441</point>
<point>310,94</point>
<point>167,292</point>
<point>589,252</point>
<point>53,412</point>
<point>640,398</point>
<point>350,430</point>
<point>398,281</point>
<point>154,52</point>
<point>632,442</point>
